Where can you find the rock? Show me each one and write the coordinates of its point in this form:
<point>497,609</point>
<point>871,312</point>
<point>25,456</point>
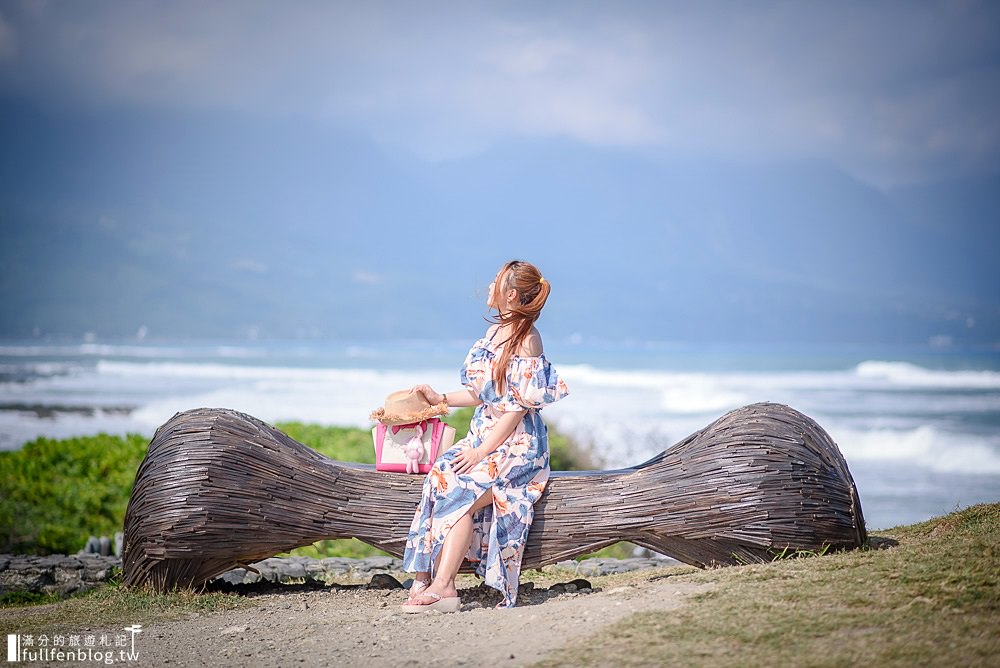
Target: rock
<point>27,576</point>
<point>337,565</point>
<point>103,546</point>
<point>314,569</point>
<point>384,581</point>
<point>65,561</point>
<point>377,563</point>
<point>64,575</point>
<point>54,574</point>
<point>570,587</point>
<point>591,567</point>
<point>235,576</point>
<point>291,573</point>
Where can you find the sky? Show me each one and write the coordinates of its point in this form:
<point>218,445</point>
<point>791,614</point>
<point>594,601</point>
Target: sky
<point>749,169</point>
<point>895,93</point>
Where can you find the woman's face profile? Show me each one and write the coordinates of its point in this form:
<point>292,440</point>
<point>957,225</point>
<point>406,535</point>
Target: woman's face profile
<point>493,298</point>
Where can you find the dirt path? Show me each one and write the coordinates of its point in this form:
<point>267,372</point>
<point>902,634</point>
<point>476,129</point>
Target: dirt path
<point>364,627</point>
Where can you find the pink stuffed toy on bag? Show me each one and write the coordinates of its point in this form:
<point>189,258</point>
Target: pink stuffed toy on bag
<point>414,450</point>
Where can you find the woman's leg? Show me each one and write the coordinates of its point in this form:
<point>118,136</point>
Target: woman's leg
<point>421,580</point>
<point>456,545</point>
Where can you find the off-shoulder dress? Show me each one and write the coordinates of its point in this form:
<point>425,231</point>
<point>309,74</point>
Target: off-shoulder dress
<point>517,472</point>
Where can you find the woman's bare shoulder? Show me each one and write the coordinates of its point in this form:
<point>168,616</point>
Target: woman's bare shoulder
<point>532,344</point>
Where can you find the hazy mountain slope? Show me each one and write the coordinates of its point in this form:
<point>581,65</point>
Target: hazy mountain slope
<point>198,227</point>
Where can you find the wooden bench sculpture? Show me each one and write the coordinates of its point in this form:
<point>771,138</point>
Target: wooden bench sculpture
<point>219,489</point>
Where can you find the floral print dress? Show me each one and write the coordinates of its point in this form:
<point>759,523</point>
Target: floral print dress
<point>516,472</point>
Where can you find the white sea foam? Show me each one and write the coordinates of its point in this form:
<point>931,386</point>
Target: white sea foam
<point>626,438</point>
<point>36,369</point>
<point>228,371</point>
<point>237,352</point>
<point>877,411</point>
<point>918,440</point>
<point>911,375</point>
<point>93,350</point>
<point>700,398</point>
<point>325,396</point>
<point>866,375</point>
<point>926,447</point>
<point>19,427</point>
<point>97,350</point>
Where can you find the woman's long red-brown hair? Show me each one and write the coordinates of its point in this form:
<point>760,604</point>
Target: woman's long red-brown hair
<point>532,291</point>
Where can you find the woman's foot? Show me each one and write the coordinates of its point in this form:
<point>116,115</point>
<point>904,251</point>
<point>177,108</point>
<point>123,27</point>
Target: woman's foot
<point>428,602</point>
<point>432,595</point>
<point>417,588</point>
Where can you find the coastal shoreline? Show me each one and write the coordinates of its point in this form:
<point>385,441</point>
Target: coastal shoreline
<point>923,594</point>
<point>66,575</point>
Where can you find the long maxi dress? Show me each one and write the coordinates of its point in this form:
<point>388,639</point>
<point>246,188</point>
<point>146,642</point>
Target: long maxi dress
<point>517,472</point>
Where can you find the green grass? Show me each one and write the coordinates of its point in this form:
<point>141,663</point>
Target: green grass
<point>932,599</point>
<point>112,605</point>
<point>54,494</point>
<point>355,445</point>
<point>18,599</point>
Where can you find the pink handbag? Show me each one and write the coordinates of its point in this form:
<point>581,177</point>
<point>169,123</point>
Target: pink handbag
<point>411,448</point>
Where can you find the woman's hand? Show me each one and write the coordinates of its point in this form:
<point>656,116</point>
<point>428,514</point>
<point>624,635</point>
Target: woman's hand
<point>467,460</point>
<point>433,397</point>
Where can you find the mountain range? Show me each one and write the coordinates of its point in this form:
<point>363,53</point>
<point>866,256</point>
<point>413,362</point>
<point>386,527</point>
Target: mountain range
<point>195,226</point>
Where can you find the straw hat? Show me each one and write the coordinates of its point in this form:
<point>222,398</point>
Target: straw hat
<point>406,406</point>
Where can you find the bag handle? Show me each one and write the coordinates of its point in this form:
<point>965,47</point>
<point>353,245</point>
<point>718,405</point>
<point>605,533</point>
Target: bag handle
<point>437,429</point>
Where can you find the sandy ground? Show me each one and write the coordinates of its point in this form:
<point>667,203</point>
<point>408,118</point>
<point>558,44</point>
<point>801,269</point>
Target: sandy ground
<point>364,627</point>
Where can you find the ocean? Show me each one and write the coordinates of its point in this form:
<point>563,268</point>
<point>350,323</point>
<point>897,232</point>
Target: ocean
<point>919,426</point>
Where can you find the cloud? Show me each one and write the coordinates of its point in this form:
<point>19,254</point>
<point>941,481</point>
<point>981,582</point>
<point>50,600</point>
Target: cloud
<point>8,40</point>
<point>366,278</point>
<point>892,91</point>
<point>249,265</point>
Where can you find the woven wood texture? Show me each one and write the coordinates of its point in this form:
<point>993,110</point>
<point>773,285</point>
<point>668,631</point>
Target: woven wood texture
<point>219,489</point>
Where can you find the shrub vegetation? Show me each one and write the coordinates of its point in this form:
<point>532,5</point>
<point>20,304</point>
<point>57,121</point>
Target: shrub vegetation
<point>54,494</point>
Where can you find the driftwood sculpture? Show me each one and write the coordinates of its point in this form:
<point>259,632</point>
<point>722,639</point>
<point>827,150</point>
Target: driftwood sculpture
<point>219,489</point>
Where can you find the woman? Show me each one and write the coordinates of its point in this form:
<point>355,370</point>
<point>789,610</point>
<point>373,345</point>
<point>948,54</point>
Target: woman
<point>478,499</point>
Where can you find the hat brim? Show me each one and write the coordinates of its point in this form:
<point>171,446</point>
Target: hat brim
<point>380,415</point>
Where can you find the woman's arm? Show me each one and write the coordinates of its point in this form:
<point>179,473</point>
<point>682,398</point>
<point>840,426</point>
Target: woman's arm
<point>467,459</point>
<point>532,344</point>
<point>455,398</point>
<point>505,426</point>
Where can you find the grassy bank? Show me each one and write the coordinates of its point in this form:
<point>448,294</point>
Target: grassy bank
<point>56,493</point>
<point>933,598</point>
<point>930,598</point>
<point>112,606</point>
